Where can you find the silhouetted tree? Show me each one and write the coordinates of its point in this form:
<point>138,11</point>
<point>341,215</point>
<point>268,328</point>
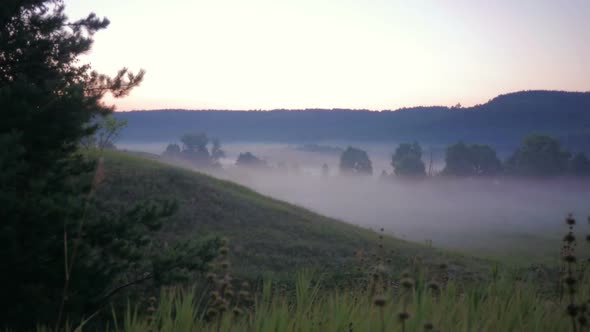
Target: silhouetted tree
<point>580,165</point>
<point>249,160</point>
<point>195,142</point>
<point>407,160</point>
<point>216,151</point>
<point>172,151</point>
<point>471,160</point>
<point>195,149</point>
<point>325,170</point>
<point>108,130</point>
<point>63,257</point>
<point>539,155</point>
<point>355,161</point>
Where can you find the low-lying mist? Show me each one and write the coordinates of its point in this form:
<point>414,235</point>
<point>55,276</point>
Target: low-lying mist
<point>492,216</point>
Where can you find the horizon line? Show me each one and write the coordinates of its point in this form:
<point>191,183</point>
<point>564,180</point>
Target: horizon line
<point>347,109</point>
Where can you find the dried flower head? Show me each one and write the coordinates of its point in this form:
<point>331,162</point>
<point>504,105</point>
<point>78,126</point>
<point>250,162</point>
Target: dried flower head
<point>402,316</point>
<point>380,300</point>
<point>407,283</point>
<point>569,258</point>
<point>570,220</point>
<point>572,310</point>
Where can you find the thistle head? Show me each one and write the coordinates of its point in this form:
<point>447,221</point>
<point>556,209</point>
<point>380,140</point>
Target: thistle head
<point>570,220</point>
<point>402,316</point>
<point>379,300</point>
<point>407,283</point>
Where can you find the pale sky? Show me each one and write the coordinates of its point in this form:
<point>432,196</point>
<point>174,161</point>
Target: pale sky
<point>262,54</point>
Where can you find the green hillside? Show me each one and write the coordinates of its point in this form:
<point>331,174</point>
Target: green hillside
<point>266,235</point>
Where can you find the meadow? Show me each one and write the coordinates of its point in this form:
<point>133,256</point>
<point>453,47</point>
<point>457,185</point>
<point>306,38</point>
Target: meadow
<point>284,268</point>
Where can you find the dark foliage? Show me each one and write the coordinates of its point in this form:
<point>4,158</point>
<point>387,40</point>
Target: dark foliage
<point>539,155</point>
<point>195,151</point>
<point>501,122</point>
<point>407,160</point>
<point>579,165</point>
<point>471,160</point>
<point>355,161</point>
<point>247,159</point>
<point>64,257</point>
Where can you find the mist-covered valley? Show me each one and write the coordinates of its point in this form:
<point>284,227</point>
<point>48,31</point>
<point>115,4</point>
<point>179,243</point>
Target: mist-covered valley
<point>495,216</point>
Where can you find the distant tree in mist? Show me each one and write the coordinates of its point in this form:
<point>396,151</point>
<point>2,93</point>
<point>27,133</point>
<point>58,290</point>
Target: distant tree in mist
<point>195,143</point>
<point>194,150</point>
<point>216,151</point>
<point>539,155</point>
<point>355,161</point>
<point>108,130</point>
<point>247,159</point>
<point>325,170</point>
<point>407,160</point>
<point>172,151</point>
<point>579,165</point>
<point>471,160</point>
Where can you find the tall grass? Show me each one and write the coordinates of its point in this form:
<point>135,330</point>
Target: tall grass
<point>500,305</point>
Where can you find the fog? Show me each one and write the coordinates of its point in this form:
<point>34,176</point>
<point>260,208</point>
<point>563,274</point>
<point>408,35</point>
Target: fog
<point>495,216</point>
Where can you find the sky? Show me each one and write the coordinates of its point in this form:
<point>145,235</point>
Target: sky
<point>365,54</point>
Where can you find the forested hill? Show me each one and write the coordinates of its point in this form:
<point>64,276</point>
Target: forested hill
<point>503,120</point>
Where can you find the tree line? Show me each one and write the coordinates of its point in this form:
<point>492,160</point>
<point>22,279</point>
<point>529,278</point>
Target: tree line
<point>538,156</point>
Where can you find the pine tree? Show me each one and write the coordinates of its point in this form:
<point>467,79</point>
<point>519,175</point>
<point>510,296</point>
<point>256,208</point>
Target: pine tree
<point>62,260</point>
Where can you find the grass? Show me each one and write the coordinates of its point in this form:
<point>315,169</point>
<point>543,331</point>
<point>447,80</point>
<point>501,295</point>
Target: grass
<point>501,305</point>
<point>266,235</point>
<point>362,280</point>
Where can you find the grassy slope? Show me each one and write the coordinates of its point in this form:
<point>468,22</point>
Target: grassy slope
<point>265,235</point>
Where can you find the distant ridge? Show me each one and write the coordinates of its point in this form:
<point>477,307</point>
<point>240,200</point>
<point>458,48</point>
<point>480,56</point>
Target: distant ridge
<point>503,120</point>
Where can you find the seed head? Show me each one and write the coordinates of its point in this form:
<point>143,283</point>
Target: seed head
<point>428,326</point>
<point>211,312</point>
<point>569,258</point>
<point>237,311</point>
<point>572,310</point>
<point>402,316</point>
<point>570,220</point>
<point>433,286</point>
<point>407,283</point>
<point>223,250</point>
<point>225,265</point>
<point>570,281</point>
<point>380,300</point>
<point>569,238</point>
